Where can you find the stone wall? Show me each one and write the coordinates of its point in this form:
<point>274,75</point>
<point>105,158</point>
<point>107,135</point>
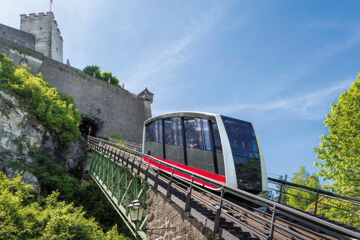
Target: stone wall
<point>114,109</point>
<point>12,34</point>
<point>167,221</point>
<point>56,43</point>
<point>48,38</point>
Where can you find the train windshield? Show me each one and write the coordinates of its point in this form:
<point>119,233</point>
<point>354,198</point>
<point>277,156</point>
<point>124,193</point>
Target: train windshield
<point>245,152</point>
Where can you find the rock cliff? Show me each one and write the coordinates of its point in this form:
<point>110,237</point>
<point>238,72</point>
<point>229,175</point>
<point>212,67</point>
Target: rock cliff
<point>20,133</point>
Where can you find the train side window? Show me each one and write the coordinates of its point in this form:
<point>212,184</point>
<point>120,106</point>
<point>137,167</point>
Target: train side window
<point>154,132</point>
<point>147,133</point>
<point>193,134</point>
<point>153,139</point>
<point>173,134</point>
<point>158,131</point>
<point>217,141</point>
<point>151,130</point>
<point>206,134</point>
<point>173,140</point>
<point>198,144</point>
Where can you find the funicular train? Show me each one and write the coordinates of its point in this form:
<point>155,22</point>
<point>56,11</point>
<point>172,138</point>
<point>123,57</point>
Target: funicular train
<point>214,146</point>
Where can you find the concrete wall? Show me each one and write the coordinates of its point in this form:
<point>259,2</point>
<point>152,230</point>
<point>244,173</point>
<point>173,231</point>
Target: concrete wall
<point>114,110</point>
<point>12,34</point>
<point>48,38</point>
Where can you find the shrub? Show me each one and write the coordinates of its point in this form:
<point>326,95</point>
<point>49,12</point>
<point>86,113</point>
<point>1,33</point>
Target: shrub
<point>56,111</point>
<point>23,217</point>
<point>95,71</point>
<point>52,177</point>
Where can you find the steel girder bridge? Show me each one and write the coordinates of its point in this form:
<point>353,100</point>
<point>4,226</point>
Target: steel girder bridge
<point>123,176</point>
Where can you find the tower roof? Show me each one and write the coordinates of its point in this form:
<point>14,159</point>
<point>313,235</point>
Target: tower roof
<point>146,95</point>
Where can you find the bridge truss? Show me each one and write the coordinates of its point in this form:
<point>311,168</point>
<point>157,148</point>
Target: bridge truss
<point>123,175</point>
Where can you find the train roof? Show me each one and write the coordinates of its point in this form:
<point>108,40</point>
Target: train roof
<point>205,115</point>
<point>192,114</point>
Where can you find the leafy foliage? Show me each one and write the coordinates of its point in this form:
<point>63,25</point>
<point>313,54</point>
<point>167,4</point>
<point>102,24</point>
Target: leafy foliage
<point>23,217</point>
<point>95,71</point>
<point>117,137</point>
<point>339,152</point>
<point>56,111</point>
<point>52,177</point>
<point>302,199</point>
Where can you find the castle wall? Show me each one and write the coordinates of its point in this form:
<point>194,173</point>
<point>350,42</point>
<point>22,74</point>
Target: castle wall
<point>15,35</point>
<point>115,110</point>
<point>44,28</point>
<point>56,43</point>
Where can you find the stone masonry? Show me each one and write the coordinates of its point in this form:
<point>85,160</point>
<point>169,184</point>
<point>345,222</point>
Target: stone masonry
<point>113,109</point>
<point>167,221</point>
<point>15,35</point>
<point>107,108</point>
<point>45,29</point>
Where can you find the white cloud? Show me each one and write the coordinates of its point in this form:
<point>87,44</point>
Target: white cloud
<point>161,65</point>
<point>308,106</point>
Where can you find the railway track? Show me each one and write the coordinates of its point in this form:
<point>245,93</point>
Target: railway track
<point>247,216</point>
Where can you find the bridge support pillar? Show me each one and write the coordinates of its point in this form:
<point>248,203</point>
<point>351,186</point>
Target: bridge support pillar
<point>167,221</point>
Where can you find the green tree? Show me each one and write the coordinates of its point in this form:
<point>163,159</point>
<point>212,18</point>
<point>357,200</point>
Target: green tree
<point>53,177</point>
<point>24,217</point>
<point>302,199</point>
<point>339,153</point>
<point>108,76</point>
<point>93,70</point>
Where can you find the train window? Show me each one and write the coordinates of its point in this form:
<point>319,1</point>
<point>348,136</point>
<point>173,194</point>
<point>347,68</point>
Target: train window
<point>193,133</point>
<point>153,138</point>
<point>217,141</point>
<point>150,132</point>
<point>154,132</point>
<point>218,149</point>
<point>198,144</point>
<point>245,153</point>
<point>174,140</point>
<point>242,138</point>
<point>173,134</point>
<point>147,132</point>
<point>206,134</point>
<point>158,131</point>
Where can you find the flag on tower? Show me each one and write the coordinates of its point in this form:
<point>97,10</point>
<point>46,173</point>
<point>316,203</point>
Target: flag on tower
<point>51,1</point>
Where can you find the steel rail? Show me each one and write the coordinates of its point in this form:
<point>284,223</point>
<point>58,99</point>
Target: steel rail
<point>273,205</point>
<point>248,228</point>
<point>314,190</point>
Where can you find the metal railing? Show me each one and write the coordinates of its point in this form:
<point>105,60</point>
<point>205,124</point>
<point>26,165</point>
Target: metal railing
<point>315,200</point>
<point>270,226</point>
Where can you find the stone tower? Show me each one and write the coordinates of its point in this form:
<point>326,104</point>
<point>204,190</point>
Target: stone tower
<point>45,29</point>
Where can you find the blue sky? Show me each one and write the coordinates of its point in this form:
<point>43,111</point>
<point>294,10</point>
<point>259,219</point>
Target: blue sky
<point>278,64</point>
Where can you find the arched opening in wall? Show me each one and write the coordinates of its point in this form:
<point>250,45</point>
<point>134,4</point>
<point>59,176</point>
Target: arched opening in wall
<point>88,126</point>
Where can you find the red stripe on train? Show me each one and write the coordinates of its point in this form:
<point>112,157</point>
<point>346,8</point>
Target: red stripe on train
<point>207,174</point>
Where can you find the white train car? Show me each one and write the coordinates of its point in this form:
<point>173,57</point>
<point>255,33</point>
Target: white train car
<point>217,147</point>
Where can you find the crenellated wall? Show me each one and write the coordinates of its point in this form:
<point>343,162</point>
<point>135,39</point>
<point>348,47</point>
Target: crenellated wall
<point>45,29</point>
